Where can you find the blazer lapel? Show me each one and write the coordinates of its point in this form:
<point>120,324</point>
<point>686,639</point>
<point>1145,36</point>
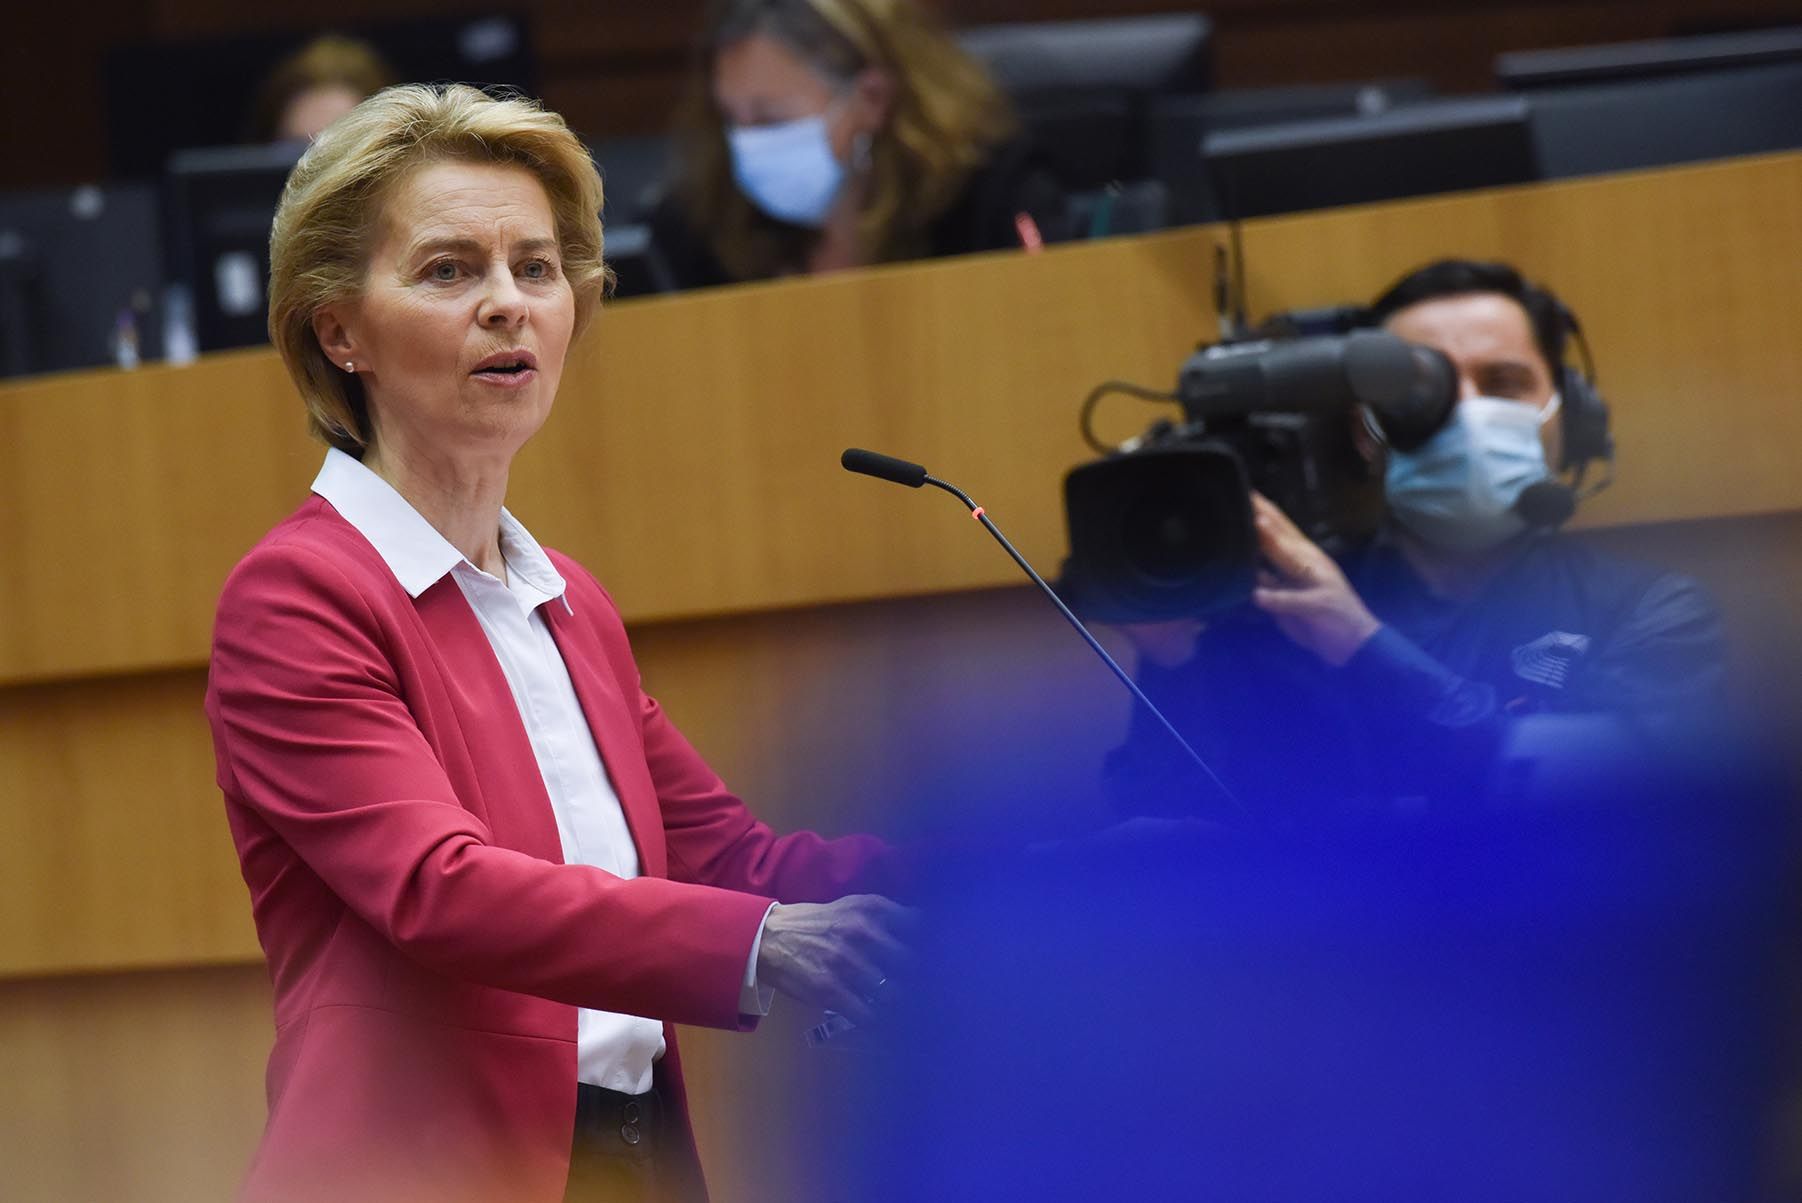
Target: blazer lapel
<point>503,775</point>
<point>614,721</point>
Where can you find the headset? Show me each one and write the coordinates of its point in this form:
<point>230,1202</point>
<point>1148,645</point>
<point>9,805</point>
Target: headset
<point>1587,436</point>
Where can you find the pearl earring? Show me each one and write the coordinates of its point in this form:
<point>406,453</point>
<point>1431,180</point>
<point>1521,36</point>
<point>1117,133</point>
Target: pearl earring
<point>350,365</point>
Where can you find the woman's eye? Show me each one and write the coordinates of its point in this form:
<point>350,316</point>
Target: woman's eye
<point>444,269</point>
<point>537,269</point>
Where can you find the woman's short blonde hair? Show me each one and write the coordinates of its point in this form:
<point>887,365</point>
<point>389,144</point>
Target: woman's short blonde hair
<point>329,219</point>
<point>947,120</point>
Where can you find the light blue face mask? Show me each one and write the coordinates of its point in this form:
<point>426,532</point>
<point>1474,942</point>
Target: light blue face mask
<point>788,170</point>
<point>1457,491</point>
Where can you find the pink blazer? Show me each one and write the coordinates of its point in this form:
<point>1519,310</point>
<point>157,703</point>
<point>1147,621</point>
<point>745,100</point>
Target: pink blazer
<point>428,948</point>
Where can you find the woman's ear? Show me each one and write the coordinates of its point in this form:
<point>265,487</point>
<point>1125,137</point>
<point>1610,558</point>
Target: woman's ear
<point>334,337</point>
<point>873,98</point>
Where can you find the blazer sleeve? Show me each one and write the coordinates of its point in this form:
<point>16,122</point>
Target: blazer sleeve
<point>711,835</point>
<point>317,740</point>
<point>713,838</point>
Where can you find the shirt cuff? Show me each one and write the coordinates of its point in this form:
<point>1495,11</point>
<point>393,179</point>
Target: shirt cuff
<point>753,999</point>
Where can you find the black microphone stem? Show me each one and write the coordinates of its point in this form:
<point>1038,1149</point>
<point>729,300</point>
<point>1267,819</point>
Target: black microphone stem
<point>981,516</point>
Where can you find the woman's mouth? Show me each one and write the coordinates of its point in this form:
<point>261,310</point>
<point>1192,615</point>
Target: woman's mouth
<point>508,370</point>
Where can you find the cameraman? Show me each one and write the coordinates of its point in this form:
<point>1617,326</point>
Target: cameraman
<point>1459,656</point>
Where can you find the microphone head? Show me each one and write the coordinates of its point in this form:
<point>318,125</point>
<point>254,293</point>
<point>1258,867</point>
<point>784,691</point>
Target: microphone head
<point>883,467</point>
<point>1546,504</point>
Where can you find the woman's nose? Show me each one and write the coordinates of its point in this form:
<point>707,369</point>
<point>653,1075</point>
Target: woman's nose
<point>504,304</point>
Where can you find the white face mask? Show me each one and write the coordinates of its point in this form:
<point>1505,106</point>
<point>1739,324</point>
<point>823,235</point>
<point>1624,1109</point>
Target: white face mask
<point>788,170</point>
<point>1457,491</point>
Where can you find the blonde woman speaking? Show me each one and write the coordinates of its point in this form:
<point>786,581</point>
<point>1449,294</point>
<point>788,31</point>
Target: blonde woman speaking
<point>486,870</point>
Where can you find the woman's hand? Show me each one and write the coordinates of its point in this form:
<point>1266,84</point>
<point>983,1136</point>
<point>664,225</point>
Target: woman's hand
<point>1305,592</point>
<point>836,955</point>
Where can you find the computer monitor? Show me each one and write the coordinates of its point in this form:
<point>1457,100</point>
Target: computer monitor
<point>81,272</point>
<point>1592,128</point>
<point>1166,53</point>
<point>1088,140</point>
<point>1081,87</point>
<point>219,204</point>
<point>639,268</point>
<point>635,171</point>
<point>1417,150</point>
<point>1176,125</point>
<point>1570,66</point>
<point>162,97</point>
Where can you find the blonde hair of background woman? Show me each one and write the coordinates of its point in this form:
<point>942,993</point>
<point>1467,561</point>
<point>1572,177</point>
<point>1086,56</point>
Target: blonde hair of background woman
<point>947,115</point>
<point>330,214</point>
<point>327,61</point>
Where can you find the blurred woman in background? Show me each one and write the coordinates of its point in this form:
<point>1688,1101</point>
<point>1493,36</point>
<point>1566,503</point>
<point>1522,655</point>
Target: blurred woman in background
<point>316,85</point>
<point>819,135</point>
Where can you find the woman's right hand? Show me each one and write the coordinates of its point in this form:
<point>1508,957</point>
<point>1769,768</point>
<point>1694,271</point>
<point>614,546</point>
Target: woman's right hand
<point>837,956</point>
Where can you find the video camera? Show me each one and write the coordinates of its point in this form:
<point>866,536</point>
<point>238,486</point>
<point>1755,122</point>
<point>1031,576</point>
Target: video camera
<point>1161,528</point>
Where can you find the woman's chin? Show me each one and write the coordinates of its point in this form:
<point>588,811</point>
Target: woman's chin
<point>504,416</point>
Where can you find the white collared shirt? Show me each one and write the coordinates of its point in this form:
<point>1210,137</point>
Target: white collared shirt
<point>612,1050</point>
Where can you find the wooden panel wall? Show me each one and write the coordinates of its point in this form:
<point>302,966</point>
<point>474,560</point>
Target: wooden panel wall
<point>614,67</point>
<point>713,422</point>
<point>850,654</point>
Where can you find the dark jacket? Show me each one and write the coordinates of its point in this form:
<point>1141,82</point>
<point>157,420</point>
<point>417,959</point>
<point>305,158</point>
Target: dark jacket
<point>1571,670</point>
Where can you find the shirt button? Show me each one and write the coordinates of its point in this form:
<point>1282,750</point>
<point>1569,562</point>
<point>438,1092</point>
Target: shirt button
<point>630,1134</point>
<point>631,1113</point>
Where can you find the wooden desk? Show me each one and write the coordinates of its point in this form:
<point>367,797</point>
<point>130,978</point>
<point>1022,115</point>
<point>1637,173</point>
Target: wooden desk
<point>692,460</point>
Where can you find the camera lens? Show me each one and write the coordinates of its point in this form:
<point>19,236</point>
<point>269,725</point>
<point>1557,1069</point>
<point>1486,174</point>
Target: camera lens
<point>1162,537</point>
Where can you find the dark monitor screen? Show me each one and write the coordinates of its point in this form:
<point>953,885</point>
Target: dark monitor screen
<point>1631,126</point>
<point>1169,53</point>
<point>81,271</point>
<point>1176,125</point>
<point>635,172</point>
<point>1418,150</point>
<point>162,97</point>
<point>638,266</point>
<point>219,204</point>
<point>1081,87</point>
<point>1573,65</point>
<point>1087,140</point>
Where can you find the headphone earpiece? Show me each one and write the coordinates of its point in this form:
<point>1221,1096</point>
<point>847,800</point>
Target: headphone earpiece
<point>1585,417</point>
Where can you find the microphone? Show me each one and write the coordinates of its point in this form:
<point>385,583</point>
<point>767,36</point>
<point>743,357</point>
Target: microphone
<point>885,467</point>
<point>1546,504</point>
